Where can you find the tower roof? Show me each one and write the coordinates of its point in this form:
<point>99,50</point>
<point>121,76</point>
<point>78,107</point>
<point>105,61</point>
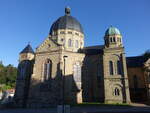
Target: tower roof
<point>66,22</point>
<point>27,49</point>
<point>112,31</point>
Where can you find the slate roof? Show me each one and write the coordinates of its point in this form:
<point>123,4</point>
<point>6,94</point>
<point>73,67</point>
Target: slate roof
<point>136,61</point>
<point>27,49</point>
<point>66,22</point>
<point>93,50</point>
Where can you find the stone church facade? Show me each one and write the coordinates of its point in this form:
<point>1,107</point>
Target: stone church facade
<point>63,70</point>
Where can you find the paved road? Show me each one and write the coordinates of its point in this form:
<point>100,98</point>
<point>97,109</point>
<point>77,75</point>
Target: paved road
<point>101,109</point>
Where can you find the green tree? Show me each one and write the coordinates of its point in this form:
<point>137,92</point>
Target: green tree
<point>8,76</point>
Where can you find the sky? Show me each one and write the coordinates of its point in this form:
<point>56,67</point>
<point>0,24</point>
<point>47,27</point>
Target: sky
<point>24,21</point>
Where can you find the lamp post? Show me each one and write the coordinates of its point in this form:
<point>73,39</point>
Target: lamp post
<point>63,83</point>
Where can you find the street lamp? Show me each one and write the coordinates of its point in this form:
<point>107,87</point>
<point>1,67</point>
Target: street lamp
<point>63,83</point>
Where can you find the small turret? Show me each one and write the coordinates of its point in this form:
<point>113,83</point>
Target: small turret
<point>113,37</point>
<point>24,73</point>
<point>27,53</point>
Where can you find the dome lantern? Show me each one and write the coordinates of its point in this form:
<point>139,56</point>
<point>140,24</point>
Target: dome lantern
<point>67,10</point>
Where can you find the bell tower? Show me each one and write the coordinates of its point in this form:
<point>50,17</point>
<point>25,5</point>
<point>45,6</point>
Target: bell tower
<point>116,87</point>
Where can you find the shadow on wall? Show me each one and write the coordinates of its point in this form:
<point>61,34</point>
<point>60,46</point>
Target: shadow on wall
<point>92,79</point>
<point>25,69</point>
<point>46,93</point>
<point>49,92</point>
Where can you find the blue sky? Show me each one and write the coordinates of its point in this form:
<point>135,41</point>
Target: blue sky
<point>23,21</point>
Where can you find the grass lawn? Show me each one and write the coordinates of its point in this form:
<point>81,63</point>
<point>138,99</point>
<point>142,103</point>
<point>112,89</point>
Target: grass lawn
<point>100,104</point>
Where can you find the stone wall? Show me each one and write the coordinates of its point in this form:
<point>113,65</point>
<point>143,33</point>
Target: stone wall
<point>115,81</point>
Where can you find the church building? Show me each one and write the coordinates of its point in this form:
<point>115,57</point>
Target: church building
<point>62,69</point>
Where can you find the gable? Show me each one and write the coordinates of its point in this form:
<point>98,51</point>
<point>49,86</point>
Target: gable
<point>47,45</point>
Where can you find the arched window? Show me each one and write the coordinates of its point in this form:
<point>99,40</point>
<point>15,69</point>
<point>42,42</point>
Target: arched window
<point>111,40</point>
<point>119,69</point>
<point>47,70</point>
<point>77,74</point>
<point>116,92</point>
<point>114,40</point>
<point>135,81</point>
<point>69,43</point>
<point>76,44</point>
<point>111,70</point>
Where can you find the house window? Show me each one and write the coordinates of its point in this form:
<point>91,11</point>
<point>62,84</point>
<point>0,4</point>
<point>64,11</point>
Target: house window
<point>47,70</point>
<point>119,69</point>
<point>76,44</point>
<point>116,92</point>
<point>135,81</point>
<point>111,68</point>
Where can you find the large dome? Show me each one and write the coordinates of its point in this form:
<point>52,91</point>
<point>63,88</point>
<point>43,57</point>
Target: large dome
<point>66,22</point>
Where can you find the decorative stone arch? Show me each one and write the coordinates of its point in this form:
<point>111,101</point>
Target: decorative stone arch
<point>117,91</point>
<point>117,64</point>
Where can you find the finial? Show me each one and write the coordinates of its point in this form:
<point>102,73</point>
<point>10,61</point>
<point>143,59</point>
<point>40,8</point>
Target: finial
<point>67,10</point>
